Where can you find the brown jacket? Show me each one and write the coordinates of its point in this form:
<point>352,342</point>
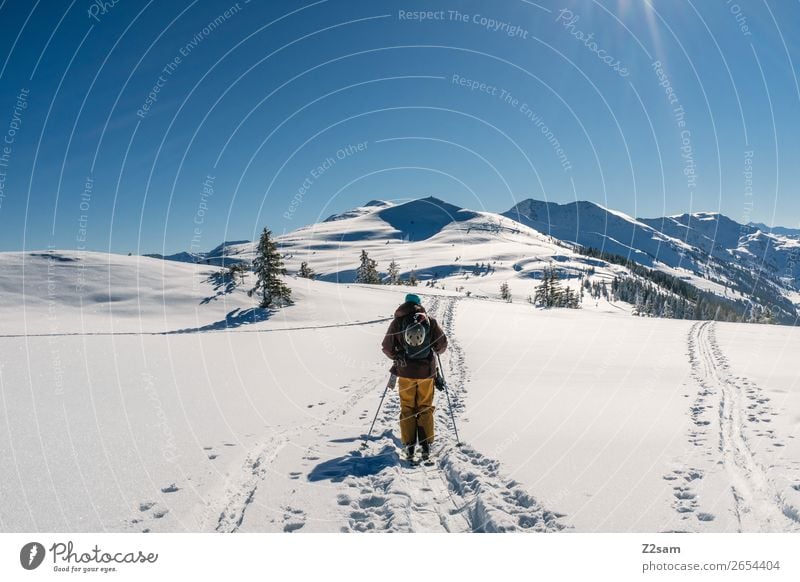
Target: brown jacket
<point>393,344</point>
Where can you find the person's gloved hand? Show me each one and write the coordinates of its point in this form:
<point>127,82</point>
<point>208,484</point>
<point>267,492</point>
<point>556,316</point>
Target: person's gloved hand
<point>438,381</point>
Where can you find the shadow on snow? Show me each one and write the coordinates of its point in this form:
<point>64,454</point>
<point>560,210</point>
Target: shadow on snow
<point>356,463</point>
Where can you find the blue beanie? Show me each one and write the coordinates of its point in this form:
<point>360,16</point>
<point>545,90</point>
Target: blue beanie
<point>411,298</point>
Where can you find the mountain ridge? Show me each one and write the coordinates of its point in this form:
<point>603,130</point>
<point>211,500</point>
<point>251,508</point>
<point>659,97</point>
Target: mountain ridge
<point>434,239</point>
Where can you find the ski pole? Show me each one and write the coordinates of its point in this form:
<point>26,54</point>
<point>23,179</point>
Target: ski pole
<point>392,380</point>
<point>449,403</point>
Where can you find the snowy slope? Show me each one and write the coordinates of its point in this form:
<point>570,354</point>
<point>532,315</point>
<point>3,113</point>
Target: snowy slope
<point>720,237</point>
<point>460,249</point>
<point>707,249</point>
<point>475,252</point>
<point>629,424</point>
<point>591,225</point>
<point>573,421</point>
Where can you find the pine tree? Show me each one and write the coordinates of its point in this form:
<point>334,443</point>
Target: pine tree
<point>306,272</point>
<point>555,296</point>
<point>393,273</point>
<point>638,306</point>
<point>367,271</point>
<point>566,298</point>
<point>505,292</point>
<point>236,269</point>
<point>268,268</point>
<point>649,307</point>
<point>412,279</point>
<point>540,296</point>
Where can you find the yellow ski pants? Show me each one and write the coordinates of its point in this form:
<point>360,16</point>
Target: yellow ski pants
<point>416,410</point>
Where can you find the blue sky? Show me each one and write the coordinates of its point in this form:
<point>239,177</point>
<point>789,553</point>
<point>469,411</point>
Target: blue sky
<point>163,126</point>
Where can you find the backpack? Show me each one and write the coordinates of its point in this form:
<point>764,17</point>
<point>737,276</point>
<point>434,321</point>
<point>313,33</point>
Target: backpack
<point>418,352</point>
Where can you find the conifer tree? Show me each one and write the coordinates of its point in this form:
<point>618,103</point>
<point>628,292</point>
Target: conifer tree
<point>367,271</point>
<point>269,270</point>
<point>393,273</point>
<point>505,292</point>
<point>306,272</point>
<point>542,293</point>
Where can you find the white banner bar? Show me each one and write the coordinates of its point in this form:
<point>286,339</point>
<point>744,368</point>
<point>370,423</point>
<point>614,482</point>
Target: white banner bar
<point>333,557</point>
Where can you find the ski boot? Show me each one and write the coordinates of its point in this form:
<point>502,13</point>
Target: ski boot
<point>426,452</point>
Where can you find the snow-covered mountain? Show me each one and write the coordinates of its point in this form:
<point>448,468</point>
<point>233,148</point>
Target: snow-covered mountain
<point>780,230</point>
<point>476,250</point>
<point>591,225</point>
<point>433,240</point>
<point>219,255</point>
<point>470,251</point>
<point>772,254</point>
<point>687,241</point>
<point>707,249</point>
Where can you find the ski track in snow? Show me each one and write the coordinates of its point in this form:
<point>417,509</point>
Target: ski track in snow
<point>466,493</point>
<point>730,415</point>
<point>463,491</point>
<point>241,492</point>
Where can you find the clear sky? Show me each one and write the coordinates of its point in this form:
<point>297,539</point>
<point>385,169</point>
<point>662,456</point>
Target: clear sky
<point>162,126</point>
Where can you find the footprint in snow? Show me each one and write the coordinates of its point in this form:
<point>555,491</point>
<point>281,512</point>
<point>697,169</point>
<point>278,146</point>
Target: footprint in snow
<point>212,457</point>
<point>146,505</point>
<point>171,488</point>
<point>294,519</point>
<point>693,474</point>
<point>372,501</point>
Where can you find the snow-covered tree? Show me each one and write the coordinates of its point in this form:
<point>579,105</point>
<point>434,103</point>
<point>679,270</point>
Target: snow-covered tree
<point>542,292</point>
<point>367,271</point>
<point>393,273</point>
<point>269,270</point>
<point>305,271</point>
<point>638,304</point>
<point>505,292</point>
